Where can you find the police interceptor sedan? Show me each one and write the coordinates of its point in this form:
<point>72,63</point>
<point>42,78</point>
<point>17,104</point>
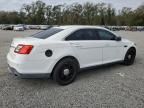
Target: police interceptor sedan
<point>60,52</point>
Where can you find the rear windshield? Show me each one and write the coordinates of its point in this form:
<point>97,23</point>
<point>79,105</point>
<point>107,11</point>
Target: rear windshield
<point>47,33</point>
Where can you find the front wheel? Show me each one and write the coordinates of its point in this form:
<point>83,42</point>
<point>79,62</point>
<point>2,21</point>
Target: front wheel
<point>130,57</point>
<point>65,71</point>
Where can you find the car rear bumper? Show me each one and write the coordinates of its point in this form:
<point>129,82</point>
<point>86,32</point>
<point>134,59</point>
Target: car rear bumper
<point>25,67</point>
<point>30,75</point>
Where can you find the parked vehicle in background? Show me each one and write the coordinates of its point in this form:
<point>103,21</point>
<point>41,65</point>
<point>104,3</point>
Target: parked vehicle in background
<point>19,28</point>
<point>44,27</point>
<point>26,27</point>
<point>34,27</point>
<point>7,27</point>
<point>140,28</point>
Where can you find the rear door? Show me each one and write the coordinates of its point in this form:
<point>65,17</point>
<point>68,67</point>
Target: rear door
<point>87,46</point>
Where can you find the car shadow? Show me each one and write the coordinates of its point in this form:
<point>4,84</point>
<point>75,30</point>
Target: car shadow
<point>99,69</point>
<point>83,74</point>
<point>105,69</point>
<point>95,70</point>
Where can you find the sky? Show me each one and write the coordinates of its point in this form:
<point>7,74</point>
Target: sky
<point>10,5</point>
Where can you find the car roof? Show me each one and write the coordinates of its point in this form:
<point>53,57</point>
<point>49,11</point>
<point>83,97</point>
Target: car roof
<point>79,27</point>
<point>68,29</point>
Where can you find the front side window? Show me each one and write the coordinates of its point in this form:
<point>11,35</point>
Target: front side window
<point>106,35</point>
<point>47,33</point>
<point>84,34</point>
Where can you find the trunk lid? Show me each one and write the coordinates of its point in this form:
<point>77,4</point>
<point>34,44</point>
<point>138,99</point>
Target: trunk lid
<point>25,41</point>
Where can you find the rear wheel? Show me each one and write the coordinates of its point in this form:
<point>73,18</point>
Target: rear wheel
<point>65,71</point>
<point>130,57</point>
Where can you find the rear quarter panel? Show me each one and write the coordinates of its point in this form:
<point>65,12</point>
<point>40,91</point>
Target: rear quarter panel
<point>60,49</point>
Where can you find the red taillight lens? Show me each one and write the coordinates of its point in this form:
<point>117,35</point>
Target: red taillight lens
<point>23,49</point>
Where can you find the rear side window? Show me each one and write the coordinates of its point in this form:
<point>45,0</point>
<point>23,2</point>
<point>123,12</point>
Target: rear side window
<point>84,34</point>
<point>47,33</point>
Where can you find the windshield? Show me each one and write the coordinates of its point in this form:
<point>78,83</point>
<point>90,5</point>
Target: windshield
<point>47,33</point>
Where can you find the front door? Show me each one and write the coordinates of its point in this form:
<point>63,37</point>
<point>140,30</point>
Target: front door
<point>112,49</point>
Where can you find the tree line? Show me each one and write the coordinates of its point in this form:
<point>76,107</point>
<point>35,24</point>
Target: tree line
<point>84,14</point>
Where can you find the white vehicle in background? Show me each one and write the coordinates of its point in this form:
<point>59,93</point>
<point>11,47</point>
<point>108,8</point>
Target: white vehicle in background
<point>7,27</point>
<point>34,27</point>
<point>60,52</point>
<point>18,28</point>
<point>44,27</point>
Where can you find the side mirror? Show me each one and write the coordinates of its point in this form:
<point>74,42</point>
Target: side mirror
<point>118,38</point>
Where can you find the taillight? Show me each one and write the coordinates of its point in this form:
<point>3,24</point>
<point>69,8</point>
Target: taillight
<point>23,49</point>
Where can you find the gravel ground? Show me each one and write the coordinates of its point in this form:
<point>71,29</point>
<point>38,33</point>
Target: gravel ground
<point>112,86</point>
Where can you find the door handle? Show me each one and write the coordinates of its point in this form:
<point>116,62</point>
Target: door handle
<point>75,44</point>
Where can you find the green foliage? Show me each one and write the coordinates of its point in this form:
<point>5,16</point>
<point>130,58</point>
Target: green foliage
<point>87,14</point>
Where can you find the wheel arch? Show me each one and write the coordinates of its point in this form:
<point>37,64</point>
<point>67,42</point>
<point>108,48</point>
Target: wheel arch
<point>62,58</point>
<point>131,48</point>
<point>130,61</point>
<point>127,49</point>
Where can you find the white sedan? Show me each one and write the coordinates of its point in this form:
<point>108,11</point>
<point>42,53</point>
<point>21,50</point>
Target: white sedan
<point>18,28</point>
<point>60,52</point>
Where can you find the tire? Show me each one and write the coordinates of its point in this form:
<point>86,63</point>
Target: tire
<point>66,71</point>
<point>130,57</point>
